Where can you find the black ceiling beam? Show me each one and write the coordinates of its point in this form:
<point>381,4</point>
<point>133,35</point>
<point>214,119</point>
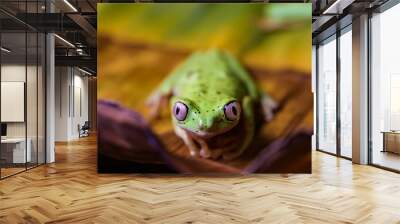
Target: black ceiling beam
<point>91,5</point>
<point>219,1</point>
<point>77,61</point>
<point>49,22</point>
<point>61,22</point>
<point>86,26</point>
<point>64,51</point>
<point>8,24</point>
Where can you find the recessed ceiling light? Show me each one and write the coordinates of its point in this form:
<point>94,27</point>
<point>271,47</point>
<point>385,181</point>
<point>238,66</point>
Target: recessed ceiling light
<point>84,71</point>
<point>64,40</point>
<point>337,7</point>
<point>70,5</point>
<point>5,50</point>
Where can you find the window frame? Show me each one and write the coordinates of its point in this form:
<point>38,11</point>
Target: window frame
<point>333,37</point>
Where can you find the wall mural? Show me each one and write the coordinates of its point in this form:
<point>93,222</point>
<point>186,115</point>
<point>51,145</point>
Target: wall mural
<point>204,88</point>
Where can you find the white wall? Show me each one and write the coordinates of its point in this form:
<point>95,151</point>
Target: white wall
<point>71,102</point>
<point>62,81</point>
<point>80,108</point>
<point>33,126</point>
<point>13,101</point>
<point>15,73</point>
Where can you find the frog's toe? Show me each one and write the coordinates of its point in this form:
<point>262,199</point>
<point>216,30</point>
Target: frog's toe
<point>193,153</point>
<point>205,153</point>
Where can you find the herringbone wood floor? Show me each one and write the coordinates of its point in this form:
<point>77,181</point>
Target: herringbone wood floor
<point>71,191</point>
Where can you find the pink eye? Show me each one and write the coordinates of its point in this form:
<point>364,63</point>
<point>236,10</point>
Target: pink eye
<point>180,111</point>
<point>232,110</point>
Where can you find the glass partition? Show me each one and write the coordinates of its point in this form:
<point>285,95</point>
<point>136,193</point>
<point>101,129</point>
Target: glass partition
<point>385,89</point>
<point>32,95</point>
<point>345,93</point>
<point>22,107</point>
<point>14,153</point>
<point>327,96</point>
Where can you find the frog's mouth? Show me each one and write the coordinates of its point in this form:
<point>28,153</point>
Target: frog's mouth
<point>208,133</point>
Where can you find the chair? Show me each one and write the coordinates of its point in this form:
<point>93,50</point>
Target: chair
<point>84,130</point>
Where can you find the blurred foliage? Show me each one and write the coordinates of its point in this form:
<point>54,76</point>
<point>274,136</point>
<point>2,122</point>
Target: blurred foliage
<point>287,12</point>
<point>274,37</point>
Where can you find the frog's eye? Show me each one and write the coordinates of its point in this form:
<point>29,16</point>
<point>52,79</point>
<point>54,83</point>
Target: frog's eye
<point>232,110</point>
<point>180,111</point>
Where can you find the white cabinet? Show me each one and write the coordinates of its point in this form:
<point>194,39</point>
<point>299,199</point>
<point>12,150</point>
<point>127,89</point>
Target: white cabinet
<point>19,155</point>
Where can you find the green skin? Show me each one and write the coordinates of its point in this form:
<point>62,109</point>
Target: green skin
<point>206,82</point>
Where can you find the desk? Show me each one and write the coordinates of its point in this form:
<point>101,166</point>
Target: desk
<point>391,141</point>
<point>17,150</point>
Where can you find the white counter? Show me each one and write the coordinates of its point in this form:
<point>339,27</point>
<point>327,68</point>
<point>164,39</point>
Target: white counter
<point>19,155</point>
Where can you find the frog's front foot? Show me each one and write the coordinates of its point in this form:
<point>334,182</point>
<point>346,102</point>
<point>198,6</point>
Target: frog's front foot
<point>187,139</point>
<point>268,106</point>
<point>200,149</point>
<point>204,150</point>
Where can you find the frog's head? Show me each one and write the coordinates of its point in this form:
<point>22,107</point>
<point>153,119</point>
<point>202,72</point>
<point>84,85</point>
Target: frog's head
<point>206,118</point>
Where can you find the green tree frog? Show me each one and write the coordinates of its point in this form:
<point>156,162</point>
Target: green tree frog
<point>209,94</point>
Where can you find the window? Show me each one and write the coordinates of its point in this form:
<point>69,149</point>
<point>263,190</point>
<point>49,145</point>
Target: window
<point>385,89</point>
<point>327,96</point>
<point>346,93</point>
